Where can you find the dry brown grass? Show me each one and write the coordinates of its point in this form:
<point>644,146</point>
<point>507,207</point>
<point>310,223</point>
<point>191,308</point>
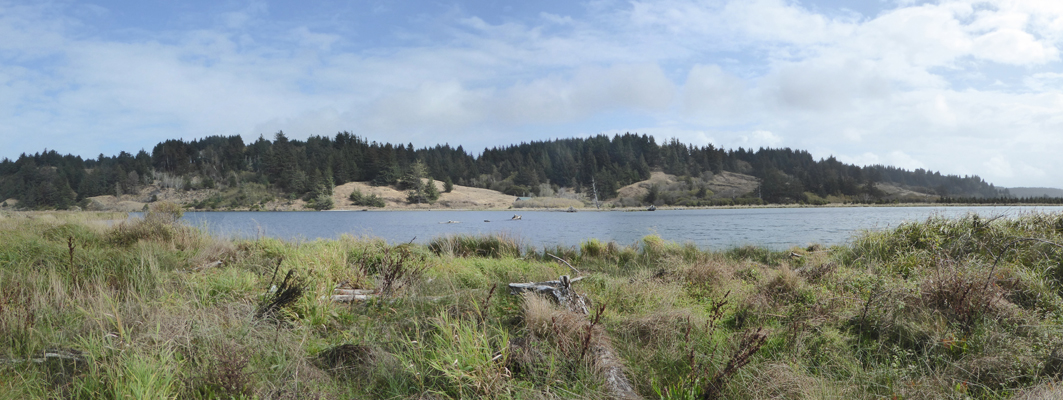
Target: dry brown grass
<point>580,339</point>
<point>462,197</point>
<point>213,252</point>
<point>783,381</point>
<point>548,202</point>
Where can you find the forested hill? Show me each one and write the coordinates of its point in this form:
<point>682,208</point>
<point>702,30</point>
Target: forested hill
<point>303,168</point>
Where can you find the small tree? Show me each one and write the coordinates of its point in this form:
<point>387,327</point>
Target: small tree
<point>448,185</point>
<point>430,191</point>
<point>321,202</point>
<point>652,194</point>
<point>419,192</point>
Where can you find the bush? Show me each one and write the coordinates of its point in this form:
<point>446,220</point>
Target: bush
<point>321,202</point>
<point>360,199</point>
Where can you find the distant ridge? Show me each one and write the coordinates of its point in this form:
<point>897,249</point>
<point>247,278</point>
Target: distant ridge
<point>1035,192</point>
<point>596,166</point>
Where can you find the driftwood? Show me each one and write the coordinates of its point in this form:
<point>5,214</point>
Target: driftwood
<point>560,291</point>
<point>340,295</point>
<point>207,266</point>
<point>61,355</point>
<point>606,360</point>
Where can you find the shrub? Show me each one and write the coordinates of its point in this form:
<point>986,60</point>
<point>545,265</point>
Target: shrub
<point>321,202</point>
<point>371,200</point>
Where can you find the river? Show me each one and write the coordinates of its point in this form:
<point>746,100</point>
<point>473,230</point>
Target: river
<point>776,228</point>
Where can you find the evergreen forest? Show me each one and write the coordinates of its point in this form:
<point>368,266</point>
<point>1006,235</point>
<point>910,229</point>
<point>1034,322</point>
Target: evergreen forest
<point>311,168</point>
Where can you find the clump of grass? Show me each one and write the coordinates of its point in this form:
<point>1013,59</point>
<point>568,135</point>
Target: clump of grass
<point>758,254</point>
<point>595,249</point>
<point>397,268</point>
<point>159,224</point>
<point>468,358</point>
<point>494,246</point>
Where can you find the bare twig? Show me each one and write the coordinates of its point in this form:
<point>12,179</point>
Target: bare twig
<point>487,302</point>
<point>590,330</point>
<point>566,263</point>
<point>750,345</point>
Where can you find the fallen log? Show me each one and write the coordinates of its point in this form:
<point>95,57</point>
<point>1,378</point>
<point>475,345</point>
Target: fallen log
<point>67,355</point>
<point>343,295</point>
<point>560,291</point>
<point>606,361</point>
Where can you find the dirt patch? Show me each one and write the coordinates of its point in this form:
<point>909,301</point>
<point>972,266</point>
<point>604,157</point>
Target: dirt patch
<point>639,189</point>
<point>730,184</point>
<point>112,203</point>
<point>894,192</point>
<point>724,184</point>
<point>462,197</point>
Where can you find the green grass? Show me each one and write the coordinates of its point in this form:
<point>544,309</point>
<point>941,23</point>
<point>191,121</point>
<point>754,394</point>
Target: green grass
<point>943,308</point>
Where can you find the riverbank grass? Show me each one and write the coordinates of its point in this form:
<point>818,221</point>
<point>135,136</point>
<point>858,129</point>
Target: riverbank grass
<point>147,308</point>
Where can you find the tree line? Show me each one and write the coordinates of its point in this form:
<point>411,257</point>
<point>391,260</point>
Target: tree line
<point>310,168</point>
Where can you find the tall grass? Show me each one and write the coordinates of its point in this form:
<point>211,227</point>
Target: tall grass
<point>146,308</point>
<point>495,245</point>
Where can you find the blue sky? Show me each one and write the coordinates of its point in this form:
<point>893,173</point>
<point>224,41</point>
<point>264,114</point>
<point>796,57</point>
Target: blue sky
<point>959,86</point>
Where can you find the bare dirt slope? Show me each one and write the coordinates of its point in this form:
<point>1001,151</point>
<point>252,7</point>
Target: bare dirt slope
<point>725,184</point>
<point>462,197</point>
<point>894,192</point>
<point>639,189</point>
<point>136,201</point>
<point>730,184</point>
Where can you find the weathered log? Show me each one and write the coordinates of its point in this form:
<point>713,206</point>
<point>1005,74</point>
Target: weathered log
<point>560,291</point>
<point>606,361</point>
<point>353,291</point>
<point>207,266</point>
<point>344,295</point>
<point>347,298</point>
<point>66,355</point>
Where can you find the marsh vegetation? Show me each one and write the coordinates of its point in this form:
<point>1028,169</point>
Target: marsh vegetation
<point>148,308</point>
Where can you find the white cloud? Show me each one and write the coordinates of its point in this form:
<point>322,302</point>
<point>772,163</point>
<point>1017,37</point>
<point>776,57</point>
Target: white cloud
<point>758,139</point>
<point>894,158</point>
<point>452,107</point>
<point>1045,81</point>
<point>711,94</point>
<point>1013,46</point>
<point>943,85</point>
<point>320,41</point>
<point>999,166</point>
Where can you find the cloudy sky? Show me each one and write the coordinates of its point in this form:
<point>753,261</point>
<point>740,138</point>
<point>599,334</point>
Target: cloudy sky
<point>959,86</point>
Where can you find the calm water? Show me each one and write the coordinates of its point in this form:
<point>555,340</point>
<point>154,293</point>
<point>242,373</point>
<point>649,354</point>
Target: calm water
<point>716,228</point>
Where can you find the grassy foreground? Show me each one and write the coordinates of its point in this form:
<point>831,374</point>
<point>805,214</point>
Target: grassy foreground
<point>967,308</point>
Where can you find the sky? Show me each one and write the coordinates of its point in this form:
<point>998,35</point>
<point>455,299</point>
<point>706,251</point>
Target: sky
<point>963,87</point>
